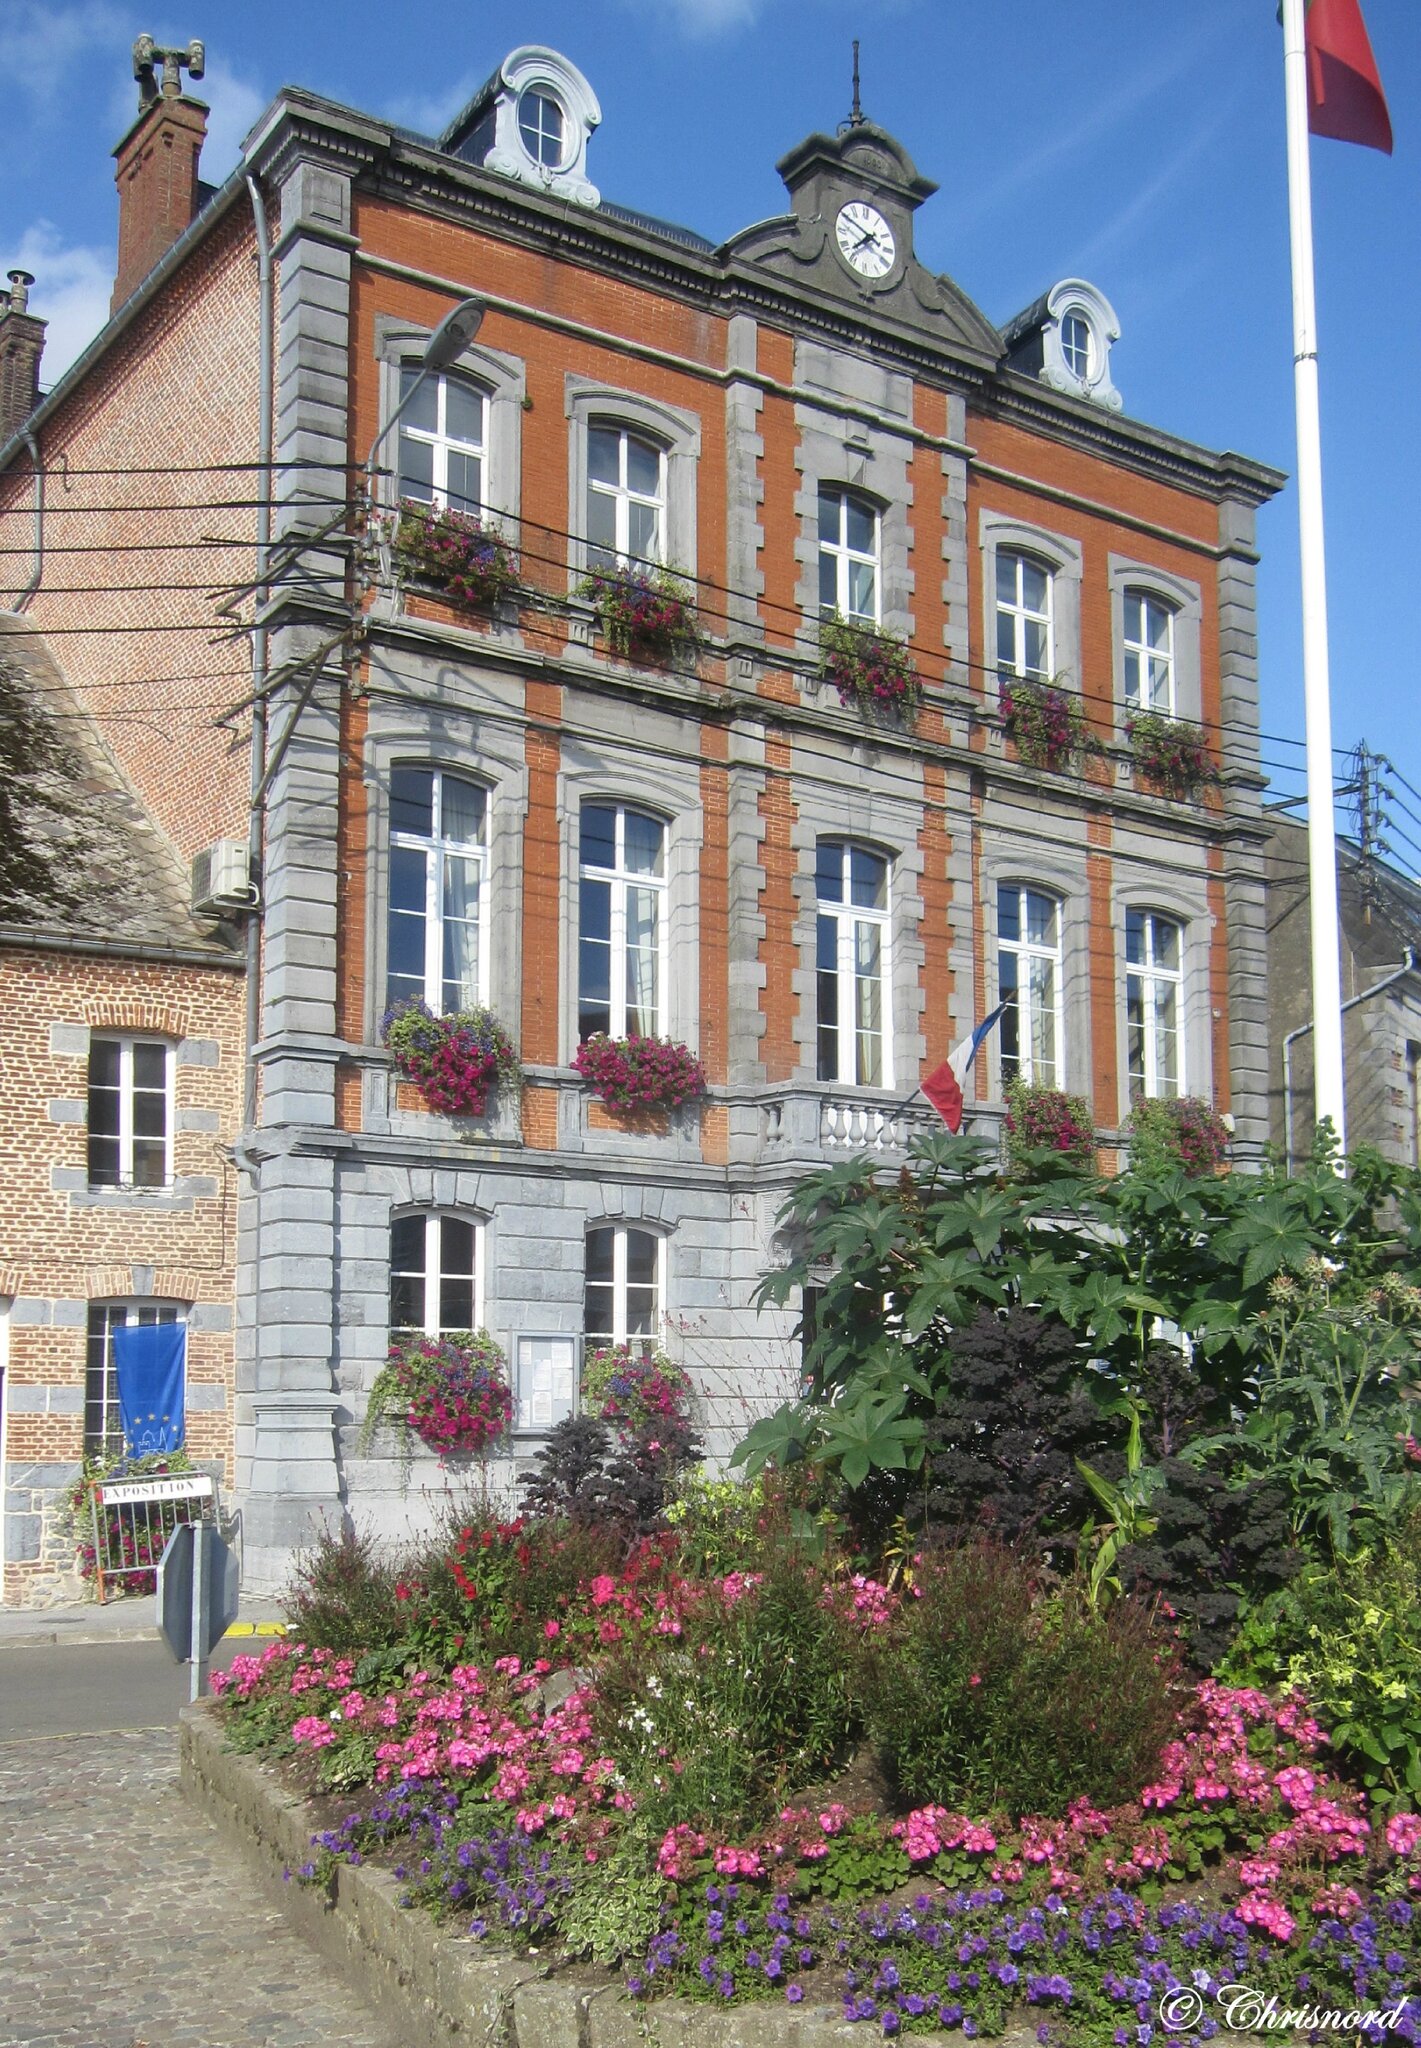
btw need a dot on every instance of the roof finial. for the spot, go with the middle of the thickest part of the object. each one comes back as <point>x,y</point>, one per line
<point>856,111</point>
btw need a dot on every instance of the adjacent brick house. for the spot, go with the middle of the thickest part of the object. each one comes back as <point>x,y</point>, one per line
<point>121,1051</point>
<point>493,804</point>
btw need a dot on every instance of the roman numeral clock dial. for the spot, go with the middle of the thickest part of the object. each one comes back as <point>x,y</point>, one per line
<point>865,239</point>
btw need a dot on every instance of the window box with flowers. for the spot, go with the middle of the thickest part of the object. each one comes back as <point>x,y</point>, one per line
<point>451,1391</point>
<point>456,1061</point>
<point>1177,1130</point>
<point>869,668</point>
<point>640,1078</point>
<point>1171,754</point>
<point>467,562</point>
<point>646,614</point>
<point>635,1390</point>
<point>1046,724</point>
<point>1041,1119</point>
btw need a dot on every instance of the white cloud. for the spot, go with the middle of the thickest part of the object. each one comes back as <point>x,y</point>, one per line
<point>71,291</point>
<point>236,103</point>
<point>41,45</point>
<point>700,18</point>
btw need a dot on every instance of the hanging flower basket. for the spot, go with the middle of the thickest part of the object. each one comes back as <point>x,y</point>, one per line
<point>1181,1131</point>
<point>1171,754</point>
<point>634,1390</point>
<point>469,563</point>
<point>457,1060</point>
<point>451,1392</point>
<point>1046,1119</point>
<point>870,669</point>
<point>646,614</point>
<point>640,1073</point>
<point>1046,724</point>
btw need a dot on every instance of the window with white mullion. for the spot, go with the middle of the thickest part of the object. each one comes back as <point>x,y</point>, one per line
<point>443,441</point>
<point>622,923</point>
<point>1149,653</point>
<point>624,1286</point>
<point>438,939</point>
<point>436,1277</point>
<point>849,557</point>
<point>1154,984</point>
<point>626,498</point>
<point>1029,982</point>
<point>103,1428</point>
<point>1025,622</point>
<point>852,966</point>
<point>130,1113</point>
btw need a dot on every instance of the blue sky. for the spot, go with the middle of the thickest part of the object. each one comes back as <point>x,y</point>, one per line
<point>1138,143</point>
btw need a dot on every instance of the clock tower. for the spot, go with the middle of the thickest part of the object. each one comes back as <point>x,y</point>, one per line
<point>850,233</point>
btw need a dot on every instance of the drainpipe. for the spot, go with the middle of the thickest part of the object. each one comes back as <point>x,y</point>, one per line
<point>1408,966</point>
<point>256,814</point>
<point>32,445</point>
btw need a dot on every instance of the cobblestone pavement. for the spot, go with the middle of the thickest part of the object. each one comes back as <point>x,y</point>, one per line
<point>125,1921</point>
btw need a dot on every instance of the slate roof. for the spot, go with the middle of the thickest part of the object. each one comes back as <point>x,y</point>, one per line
<point>132,887</point>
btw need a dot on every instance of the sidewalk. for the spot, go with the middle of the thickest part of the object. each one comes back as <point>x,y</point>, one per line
<point>124,1620</point>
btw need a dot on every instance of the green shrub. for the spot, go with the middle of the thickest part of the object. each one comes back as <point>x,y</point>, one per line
<point>343,1594</point>
<point>989,1691</point>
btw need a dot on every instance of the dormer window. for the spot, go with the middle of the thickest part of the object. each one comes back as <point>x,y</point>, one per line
<point>1065,338</point>
<point>541,125</point>
<point>1075,345</point>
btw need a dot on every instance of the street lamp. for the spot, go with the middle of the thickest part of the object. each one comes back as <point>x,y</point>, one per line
<point>447,343</point>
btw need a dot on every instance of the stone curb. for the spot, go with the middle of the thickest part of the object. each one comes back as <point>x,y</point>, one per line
<point>441,1990</point>
<point>87,1638</point>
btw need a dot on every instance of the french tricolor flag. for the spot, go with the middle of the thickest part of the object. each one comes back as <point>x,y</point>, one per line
<point>943,1086</point>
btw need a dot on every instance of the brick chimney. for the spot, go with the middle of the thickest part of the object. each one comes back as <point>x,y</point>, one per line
<point>21,345</point>
<point>157,163</point>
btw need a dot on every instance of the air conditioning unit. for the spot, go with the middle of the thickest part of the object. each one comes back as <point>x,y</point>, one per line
<point>221,879</point>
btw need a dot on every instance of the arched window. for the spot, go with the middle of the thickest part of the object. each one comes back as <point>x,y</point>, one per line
<point>626,497</point>
<point>435,1283</point>
<point>1029,983</point>
<point>621,935</point>
<point>625,1286</point>
<point>852,965</point>
<point>438,903</point>
<point>543,127</point>
<point>1076,346</point>
<point>443,441</point>
<point>850,544</point>
<point>1154,976</point>
<point>103,1429</point>
<point>1149,653</point>
<point>1025,623</point>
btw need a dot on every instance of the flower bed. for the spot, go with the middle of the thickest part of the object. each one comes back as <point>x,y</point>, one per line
<point>1174,756</point>
<point>457,1061</point>
<point>132,1546</point>
<point>469,563</point>
<point>647,614</point>
<point>1045,723</point>
<point>870,669</point>
<point>450,1392</point>
<point>640,1073</point>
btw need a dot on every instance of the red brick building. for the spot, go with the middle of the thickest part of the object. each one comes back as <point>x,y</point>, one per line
<point>492,804</point>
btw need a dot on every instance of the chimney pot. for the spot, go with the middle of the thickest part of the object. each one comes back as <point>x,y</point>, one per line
<point>20,282</point>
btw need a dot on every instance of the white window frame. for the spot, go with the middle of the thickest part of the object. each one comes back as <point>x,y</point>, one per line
<point>620,1232</point>
<point>1140,651</point>
<point>1025,950</point>
<point>846,917</point>
<point>437,848</point>
<point>126,1042</point>
<point>442,442</point>
<point>1149,975</point>
<point>135,1311</point>
<point>845,557</point>
<point>623,496</point>
<point>621,879</point>
<point>538,90</point>
<point>1020,613</point>
<point>433,1220</point>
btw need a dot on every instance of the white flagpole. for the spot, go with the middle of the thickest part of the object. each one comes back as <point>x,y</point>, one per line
<point>1322,827</point>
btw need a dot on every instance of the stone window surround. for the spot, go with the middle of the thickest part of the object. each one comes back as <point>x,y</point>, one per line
<point>1185,600</point>
<point>676,432</point>
<point>127,1190</point>
<point>1189,909</point>
<point>1063,557</point>
<point>458,741</point>
<point>670,792</point>
<point>501,378</point>
<point>132,1305</point>
<point>461,1214</point>
<point>1064,878</point>
<point>874,465</point>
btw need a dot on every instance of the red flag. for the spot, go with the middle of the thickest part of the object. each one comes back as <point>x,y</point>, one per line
<point>944,1092</point>
<point>1345,97</point>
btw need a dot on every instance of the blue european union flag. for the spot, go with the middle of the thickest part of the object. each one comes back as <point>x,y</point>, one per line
<point>149,1363</point>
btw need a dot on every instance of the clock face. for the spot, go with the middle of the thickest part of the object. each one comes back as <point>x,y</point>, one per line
<point>865,239</point>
